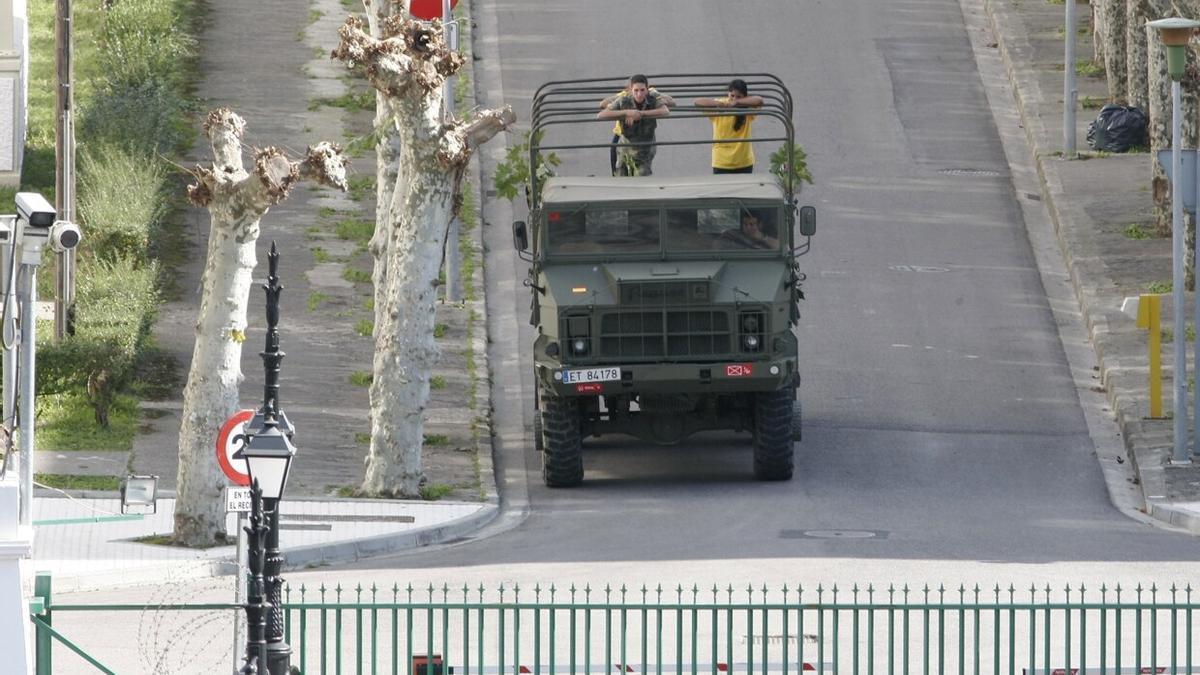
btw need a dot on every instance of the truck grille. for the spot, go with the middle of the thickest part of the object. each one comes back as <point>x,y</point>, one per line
<point>673,334</point>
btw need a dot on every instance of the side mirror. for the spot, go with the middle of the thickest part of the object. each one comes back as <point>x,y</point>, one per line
<point>808,221</point>
<point>521,236</point>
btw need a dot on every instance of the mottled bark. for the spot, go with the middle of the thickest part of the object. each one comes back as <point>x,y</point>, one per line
<point>408,64</point>
<point>236,200</point>
<point>1111,26</point>
<point>388,167</point>
<point>1137,13</point>
<point>1159,110</point>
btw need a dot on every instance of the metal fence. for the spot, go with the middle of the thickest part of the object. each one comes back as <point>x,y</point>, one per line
<point>681,630</point>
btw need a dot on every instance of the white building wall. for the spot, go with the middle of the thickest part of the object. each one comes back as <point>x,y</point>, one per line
<point>14,76</point>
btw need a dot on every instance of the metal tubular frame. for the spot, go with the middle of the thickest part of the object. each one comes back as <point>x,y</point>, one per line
<point>574,102</point>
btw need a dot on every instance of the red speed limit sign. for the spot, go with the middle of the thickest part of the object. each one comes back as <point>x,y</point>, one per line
<point>229,441</point>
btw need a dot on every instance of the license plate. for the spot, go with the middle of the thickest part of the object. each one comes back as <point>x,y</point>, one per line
<point>591,375</point>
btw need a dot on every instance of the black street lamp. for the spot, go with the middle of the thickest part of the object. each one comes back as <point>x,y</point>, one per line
<point>256,604</point>
<point>268,453</point>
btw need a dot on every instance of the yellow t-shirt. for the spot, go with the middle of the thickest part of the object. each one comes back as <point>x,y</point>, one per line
<point>731,155</point>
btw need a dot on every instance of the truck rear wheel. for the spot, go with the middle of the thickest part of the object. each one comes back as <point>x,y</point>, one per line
<point>537,431</point>
<point>562,451</point>
<point>773,435</point>
<point>797,420</point>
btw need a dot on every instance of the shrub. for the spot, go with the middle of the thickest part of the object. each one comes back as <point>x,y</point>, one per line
<point>115,306</point>
<point>122,202</point>
<point>143,41</point>
<point>141,116</point>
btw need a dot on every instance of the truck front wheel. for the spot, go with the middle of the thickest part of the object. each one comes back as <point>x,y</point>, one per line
<point>773,431</point>
<point>562,449</point>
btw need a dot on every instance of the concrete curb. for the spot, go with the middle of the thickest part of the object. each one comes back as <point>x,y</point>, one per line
<point>1009,31</point>
<point>357,549</point>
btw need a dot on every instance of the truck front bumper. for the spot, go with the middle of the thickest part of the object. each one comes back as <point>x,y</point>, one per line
<point>673,378</point>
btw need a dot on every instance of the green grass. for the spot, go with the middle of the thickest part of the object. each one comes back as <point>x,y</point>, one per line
<point>1136,231</point>
<point>66,422</point>
<point>326,212</point>
<point>320,255</point>
<point>439,330</point>
<point>1088,68</point>
<point>1089,103</point>
<point>1160,287</point>
<point>435,491</point>
<point>360,378</point>
<point>356,276</point>
<point>437,382</point>
<point>314,300</point>
<point>72,481</point>
<point>437,440</point>
<point>361,186</point>
<point>351,100</point>
<point>364,327</point>
<point>362,438</point>
<point>358,230</point>
<point>1189,334</point>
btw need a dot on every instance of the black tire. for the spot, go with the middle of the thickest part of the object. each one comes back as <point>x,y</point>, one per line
<point>773,435</point>
<point>538,443</point>
<point>797,420</point>
<point>562,454</point>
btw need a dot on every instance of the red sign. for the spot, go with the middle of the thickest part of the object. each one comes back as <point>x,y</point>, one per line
<point>231,438</point>
<point>739,370</point>
<point>589,388</point>
<point>428,10</point>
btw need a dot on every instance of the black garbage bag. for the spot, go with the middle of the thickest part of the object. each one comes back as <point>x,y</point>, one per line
<point>1118,128</point>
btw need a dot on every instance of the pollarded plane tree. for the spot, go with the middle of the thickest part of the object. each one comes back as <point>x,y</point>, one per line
<point>236,200</point>
<point>408,63</point>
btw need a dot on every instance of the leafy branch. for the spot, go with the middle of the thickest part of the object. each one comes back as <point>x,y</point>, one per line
<point>513,173</point>
<point>800,173</point>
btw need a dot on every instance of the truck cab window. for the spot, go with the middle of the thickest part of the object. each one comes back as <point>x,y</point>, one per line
<point>607,231</point>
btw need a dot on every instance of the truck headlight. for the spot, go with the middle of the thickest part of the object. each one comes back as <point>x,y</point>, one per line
<point>579,346</point>
<point>751,342</point>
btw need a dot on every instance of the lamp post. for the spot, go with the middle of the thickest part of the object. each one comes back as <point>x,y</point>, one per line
<point>268,453</point>
<point>1175,33</point>
<point>256,606</point>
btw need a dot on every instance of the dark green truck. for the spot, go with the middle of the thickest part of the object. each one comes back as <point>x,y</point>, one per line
<point>664,306</point>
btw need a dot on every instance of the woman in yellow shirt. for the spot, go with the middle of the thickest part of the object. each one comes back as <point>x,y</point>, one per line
<point>732,157</point>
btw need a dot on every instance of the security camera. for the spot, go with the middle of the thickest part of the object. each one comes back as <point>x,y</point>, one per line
<point>35,210</point>
<point>64,236</point>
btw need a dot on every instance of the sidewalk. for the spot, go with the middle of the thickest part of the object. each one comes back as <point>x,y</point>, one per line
<point>1091,203</point>
<point>85,543</point>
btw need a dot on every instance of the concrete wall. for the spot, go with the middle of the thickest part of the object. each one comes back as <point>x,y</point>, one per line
<point>14,70</point>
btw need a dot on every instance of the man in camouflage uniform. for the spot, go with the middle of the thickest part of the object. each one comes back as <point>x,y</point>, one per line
<point>638,110</point>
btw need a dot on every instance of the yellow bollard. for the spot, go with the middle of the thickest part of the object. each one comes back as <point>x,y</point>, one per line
<point>1148,317</point>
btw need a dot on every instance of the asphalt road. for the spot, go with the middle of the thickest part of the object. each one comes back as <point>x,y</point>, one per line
<point>944,422</point>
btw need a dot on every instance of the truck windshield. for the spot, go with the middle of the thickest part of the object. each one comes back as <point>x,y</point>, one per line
<point>604,231</point>
<point>722,229</point>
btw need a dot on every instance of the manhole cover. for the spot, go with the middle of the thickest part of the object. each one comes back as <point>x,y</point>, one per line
<point>969,172</point>
<point>832,534</point>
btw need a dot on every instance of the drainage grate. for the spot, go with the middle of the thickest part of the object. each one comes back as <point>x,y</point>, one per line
<point>969,172</point>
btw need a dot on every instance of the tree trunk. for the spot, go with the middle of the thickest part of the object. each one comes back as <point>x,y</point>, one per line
<point>1137,13</point>
<point>388,166</point>
<point>409,65</point>
<point>236,201</point>
<point>1112,15</point>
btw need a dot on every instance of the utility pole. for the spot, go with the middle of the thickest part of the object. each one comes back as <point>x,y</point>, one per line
<point>1070,91</point>
<point>64,172</point>
<point>452,263</point>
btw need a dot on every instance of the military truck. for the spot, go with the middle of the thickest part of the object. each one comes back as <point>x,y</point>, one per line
<point>664,306</point>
